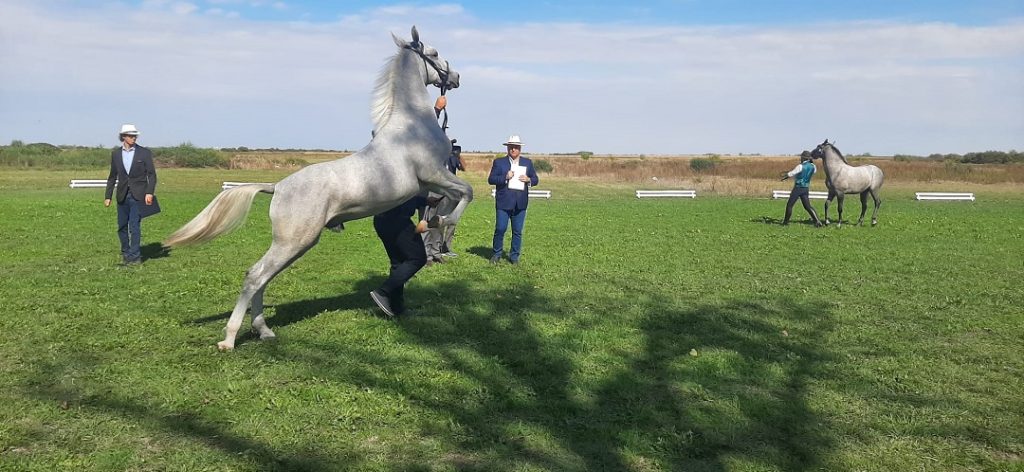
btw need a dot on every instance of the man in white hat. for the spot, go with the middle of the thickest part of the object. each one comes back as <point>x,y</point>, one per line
<point>131,167</point>
<point>512,176</point>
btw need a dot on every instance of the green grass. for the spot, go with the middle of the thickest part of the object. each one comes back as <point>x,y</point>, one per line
<point>636,335</point>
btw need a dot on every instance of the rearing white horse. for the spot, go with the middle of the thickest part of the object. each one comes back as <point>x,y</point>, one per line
<point>841,178</point>
<point>405,158</point>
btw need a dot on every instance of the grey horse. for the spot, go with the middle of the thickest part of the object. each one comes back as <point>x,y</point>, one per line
<point>842,178</point>
<point>405,158</point>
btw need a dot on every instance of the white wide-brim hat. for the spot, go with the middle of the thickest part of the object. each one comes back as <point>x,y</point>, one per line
<point>129,129</point>
<point>513,140</point>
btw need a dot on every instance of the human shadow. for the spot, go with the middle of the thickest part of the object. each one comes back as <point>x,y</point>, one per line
<point>769,220</point>
<point>155,251</point>
<point>481,251</point>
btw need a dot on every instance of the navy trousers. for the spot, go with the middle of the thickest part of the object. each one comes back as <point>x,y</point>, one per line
<point>129,228</point>
<point>802,194</point>
<point>406,252</point>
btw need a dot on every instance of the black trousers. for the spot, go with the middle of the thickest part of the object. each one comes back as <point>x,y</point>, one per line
<point>406,252</point>
<point>802,194</point>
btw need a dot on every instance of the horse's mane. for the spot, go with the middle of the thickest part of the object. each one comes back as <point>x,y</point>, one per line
<point>840,153</point>
<point>384,93</point>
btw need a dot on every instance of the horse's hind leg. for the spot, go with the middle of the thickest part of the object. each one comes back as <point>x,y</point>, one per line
<point>259,325</point>
<point>828,200</point>
<point>878,203</point>
<point>276,259</point>
<point>863,207</point>
<point>839,209</point>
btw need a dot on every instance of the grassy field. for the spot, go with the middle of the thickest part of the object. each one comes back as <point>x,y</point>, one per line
<point>636,335</point>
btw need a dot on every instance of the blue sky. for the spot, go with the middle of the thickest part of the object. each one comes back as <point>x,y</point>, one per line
<point>667,77</point>
<point>679,12</point>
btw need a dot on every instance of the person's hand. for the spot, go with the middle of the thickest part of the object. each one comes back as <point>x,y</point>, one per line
<point>440,103</point>
<point>106,202</point>
<point>509,175</point>
<point>149,199</point>
<point>524,178</point>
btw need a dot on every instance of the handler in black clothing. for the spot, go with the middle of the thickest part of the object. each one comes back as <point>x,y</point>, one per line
<point>405,249</point>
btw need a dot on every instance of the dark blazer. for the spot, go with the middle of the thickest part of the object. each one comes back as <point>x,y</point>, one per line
<point>140,181</point>
<point>504,197</point>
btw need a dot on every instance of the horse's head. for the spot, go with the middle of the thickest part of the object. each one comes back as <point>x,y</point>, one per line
<point>819,152</point>
<point>438,72</point>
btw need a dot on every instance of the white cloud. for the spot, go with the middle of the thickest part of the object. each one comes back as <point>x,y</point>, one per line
<point>880,87</point>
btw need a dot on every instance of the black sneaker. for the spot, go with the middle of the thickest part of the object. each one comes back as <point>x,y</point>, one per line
<point>383,302</point>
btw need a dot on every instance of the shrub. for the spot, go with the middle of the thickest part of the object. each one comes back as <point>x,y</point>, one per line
<point>700,164</point>
<point>43,155</point>
<point>542,165</point>
<point>586,155</point>
<point>187,155</point>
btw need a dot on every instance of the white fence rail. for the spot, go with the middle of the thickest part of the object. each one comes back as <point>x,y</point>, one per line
<point>666,193</point>
<point>944,196</point>
<point>533,193</point>
<point>88,183</point>
<point>227,185</point>
<point>810,194</point>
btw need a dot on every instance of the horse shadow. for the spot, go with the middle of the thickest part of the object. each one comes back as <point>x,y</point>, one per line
<point>695,411</point>
<point>284,314</point>
<point>155,251</point>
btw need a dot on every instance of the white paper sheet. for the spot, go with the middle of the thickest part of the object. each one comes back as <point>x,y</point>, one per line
<point>515,184</point>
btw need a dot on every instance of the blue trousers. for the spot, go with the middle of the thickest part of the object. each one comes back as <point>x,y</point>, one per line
<point>129,228</point>
<point>502,219</point>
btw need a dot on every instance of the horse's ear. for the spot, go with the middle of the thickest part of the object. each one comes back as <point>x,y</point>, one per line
<point>415,35</point>
<point>399,41</point>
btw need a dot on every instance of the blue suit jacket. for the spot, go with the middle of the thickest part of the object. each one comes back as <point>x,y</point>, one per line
<point>140,181</point>
<point>504,197</point>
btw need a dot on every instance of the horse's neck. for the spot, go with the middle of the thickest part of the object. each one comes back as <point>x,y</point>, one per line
<point>401,98</point>
<point>834,163</point>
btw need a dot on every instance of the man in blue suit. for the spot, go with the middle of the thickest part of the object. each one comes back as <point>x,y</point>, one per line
<point>512,176</point>
<point>132,170</point>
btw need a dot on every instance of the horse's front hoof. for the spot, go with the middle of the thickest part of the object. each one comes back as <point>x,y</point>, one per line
<point>225,346</point>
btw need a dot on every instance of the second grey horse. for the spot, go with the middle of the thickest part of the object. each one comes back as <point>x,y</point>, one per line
<point>842,178</point>
<point>405,158</point>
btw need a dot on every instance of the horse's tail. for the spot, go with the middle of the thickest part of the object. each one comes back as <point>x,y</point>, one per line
<point>223,214</point>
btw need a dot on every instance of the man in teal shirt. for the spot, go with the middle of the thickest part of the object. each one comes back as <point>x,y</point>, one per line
<point>801,187</point>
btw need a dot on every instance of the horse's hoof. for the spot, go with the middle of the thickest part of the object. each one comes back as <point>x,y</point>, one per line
<point>225,346</point>
<point>268,337</point>
<point>436,221</point>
